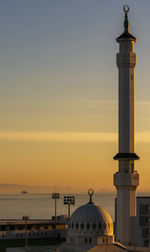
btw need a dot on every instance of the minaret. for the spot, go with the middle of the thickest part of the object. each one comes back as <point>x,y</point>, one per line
<point>126,179</point>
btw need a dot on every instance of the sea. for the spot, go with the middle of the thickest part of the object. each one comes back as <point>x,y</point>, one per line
<point>42,206</point>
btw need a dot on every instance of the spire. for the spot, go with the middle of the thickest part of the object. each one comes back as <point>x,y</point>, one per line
<point>126,22</point>
<point>126,35</point>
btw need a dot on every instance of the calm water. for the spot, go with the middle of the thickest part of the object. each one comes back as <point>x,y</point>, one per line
<point>42,206</point>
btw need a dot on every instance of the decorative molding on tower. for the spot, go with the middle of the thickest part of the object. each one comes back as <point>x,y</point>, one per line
<point>129,156</point>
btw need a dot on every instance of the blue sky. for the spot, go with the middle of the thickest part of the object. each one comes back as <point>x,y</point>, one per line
<point>51,45</point>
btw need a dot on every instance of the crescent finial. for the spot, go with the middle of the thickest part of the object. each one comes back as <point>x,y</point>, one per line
<point>90,193</point>
<point>126,8</point>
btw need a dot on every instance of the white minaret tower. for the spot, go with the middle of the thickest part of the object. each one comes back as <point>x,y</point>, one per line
<point>126,179</point>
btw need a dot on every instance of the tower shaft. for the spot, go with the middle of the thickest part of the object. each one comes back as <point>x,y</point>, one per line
<point>126,61</point>
<point>126,179</point>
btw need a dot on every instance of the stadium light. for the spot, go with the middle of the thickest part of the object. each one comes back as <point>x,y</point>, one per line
<point>69,200</point>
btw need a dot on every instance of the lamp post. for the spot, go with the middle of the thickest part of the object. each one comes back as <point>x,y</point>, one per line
<point>26,218</point>
<point>55,196</point>
<point>69,200</point>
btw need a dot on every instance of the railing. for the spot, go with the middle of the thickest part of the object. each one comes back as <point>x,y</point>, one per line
<point>42,249</point>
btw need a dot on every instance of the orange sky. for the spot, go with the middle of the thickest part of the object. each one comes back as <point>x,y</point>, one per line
<point>59,92</point>
<point>80,164</point>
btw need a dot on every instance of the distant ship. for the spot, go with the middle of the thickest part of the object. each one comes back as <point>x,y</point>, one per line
<point>24,192</point>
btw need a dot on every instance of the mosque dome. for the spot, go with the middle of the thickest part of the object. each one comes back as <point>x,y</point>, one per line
<point>90,220</point>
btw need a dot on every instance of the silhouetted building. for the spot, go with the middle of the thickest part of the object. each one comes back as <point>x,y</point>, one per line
<point>143,221</point>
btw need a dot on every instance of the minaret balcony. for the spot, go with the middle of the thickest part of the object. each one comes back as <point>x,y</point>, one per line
<point>126,59</point>
<point>126,179</point>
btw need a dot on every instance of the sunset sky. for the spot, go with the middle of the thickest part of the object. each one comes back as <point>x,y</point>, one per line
<point>59,91</point>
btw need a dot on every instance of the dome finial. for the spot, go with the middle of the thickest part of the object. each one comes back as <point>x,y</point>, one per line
<point>126,22</point>
<point>90,193</point>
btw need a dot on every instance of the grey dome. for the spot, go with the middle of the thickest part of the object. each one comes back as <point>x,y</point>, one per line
<point>90,219</point>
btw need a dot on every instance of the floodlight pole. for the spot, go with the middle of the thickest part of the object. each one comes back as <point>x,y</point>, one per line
<point>55,211</point>
<point>55,196</point>
<point>25,218</point>
<point>68,211</point>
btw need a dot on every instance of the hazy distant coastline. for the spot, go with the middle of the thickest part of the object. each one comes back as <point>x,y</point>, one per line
<point>15,188</point>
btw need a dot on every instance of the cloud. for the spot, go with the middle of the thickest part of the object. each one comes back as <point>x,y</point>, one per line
<point>142,137</point>
<point>68,136</point>
<point>59,136</point>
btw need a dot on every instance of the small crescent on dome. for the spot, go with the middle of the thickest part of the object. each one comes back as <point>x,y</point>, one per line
<point>90,192</point>
<point>126,8</point>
